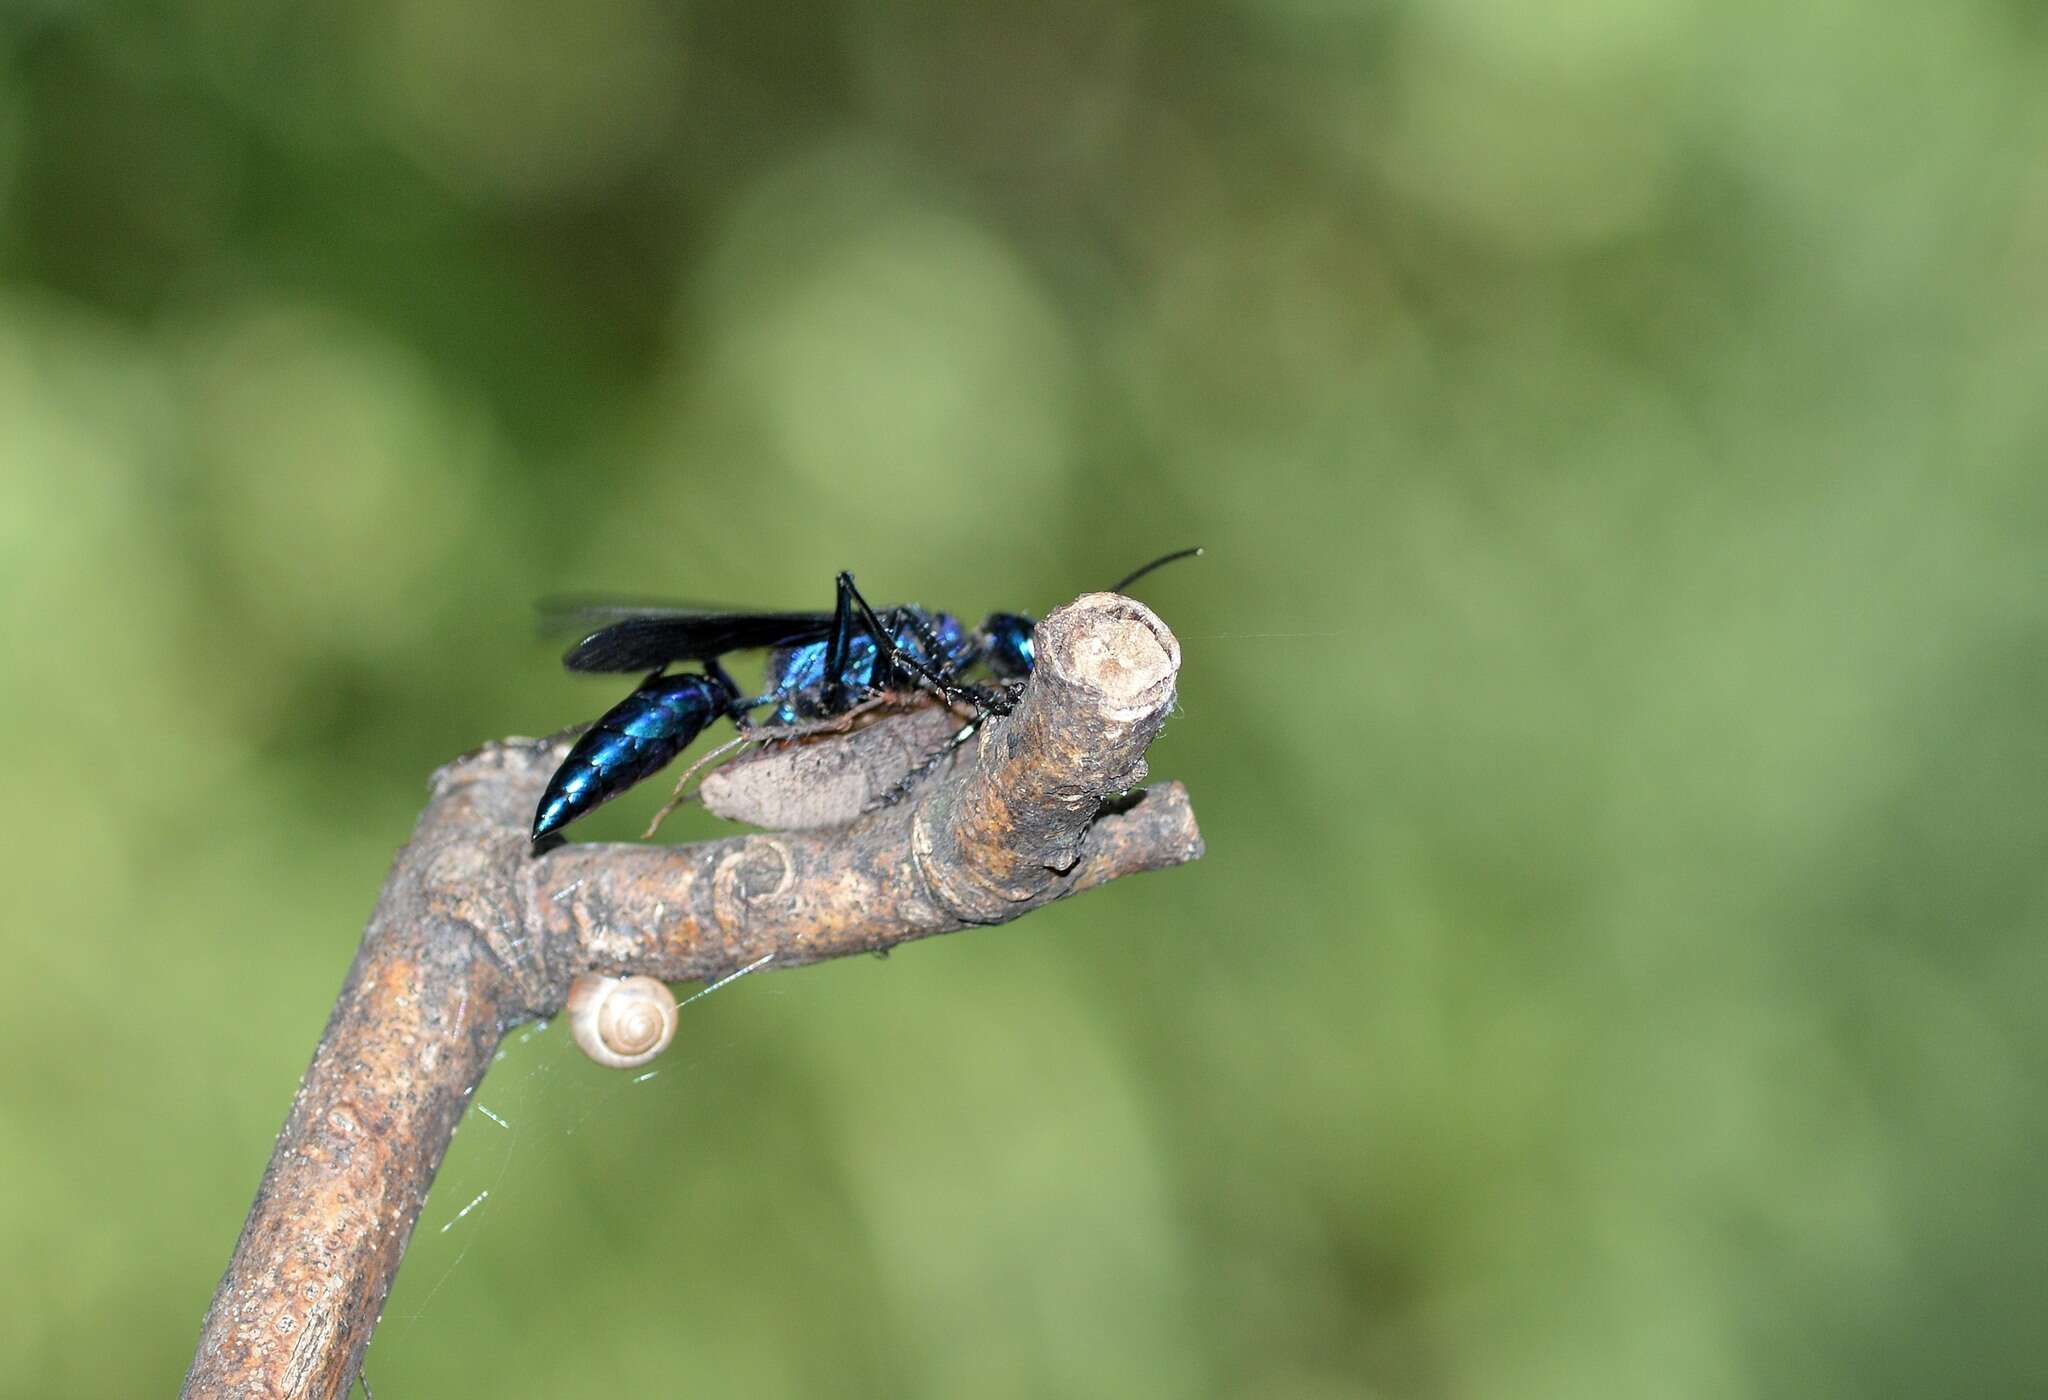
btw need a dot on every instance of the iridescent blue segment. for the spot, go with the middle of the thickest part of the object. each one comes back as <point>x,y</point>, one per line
<point>952,637</point>
<point>632,739</point>
<point>796,674</point>
<point>1011,654</point>
<point>795,670</point>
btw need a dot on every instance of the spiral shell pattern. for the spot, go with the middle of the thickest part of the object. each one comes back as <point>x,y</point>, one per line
<point>621,1022</point>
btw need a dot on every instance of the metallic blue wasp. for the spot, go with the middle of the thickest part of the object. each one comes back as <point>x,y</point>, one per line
<point>821,666</point>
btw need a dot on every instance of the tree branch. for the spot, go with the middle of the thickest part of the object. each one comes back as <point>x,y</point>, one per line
<point>475,934</point>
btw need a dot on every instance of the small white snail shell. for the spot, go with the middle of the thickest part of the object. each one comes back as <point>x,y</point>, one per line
<point>622,1022</point>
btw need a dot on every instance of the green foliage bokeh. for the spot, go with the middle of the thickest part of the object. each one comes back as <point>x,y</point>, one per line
<point>1614,695</point>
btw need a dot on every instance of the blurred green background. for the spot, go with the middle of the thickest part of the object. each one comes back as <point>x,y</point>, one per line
<point>1614,695</point>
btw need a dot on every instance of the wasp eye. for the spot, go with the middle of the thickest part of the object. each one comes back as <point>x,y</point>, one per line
<point>1010,653</point>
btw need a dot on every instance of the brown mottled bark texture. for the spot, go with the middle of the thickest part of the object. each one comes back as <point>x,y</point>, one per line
<point>476,933</point>
<point>832,777</point>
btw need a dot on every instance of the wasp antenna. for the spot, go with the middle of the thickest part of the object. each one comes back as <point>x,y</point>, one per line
<point>1128,579</point>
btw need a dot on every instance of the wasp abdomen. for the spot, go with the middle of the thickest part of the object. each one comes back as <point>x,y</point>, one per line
<point>629,741</point>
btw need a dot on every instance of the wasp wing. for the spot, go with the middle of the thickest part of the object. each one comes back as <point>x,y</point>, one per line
<point>644,640</point>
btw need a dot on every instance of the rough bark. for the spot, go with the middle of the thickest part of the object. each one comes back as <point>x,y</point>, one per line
<point>476,932</point>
